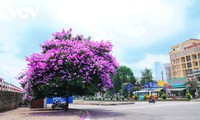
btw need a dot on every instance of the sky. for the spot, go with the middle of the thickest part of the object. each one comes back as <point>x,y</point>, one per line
<point>141,31</point>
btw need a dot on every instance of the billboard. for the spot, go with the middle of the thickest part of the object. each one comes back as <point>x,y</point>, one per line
<point>150,85</point>
<point>59,99</point>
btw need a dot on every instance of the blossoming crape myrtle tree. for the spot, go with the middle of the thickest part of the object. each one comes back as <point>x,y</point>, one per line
<point>68,65</point>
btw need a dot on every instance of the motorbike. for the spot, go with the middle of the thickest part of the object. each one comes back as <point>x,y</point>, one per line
<point>57,104</point>
<point>152,100</point>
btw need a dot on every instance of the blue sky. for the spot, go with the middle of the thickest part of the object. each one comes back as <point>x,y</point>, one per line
<point>142,31</point>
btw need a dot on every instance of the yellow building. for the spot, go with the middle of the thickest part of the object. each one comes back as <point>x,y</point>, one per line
<point>185,58</point>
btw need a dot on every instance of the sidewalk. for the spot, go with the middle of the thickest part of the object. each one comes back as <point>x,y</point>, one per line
<point>105,103</point>
<point>195,100</point>
<point>41,114</point>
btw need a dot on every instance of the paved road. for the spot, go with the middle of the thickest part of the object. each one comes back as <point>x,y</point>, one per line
<point>143,111</point>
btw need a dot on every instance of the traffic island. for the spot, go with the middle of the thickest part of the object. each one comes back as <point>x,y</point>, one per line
<point>105,103</point>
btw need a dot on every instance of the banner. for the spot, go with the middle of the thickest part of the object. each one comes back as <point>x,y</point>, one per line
<point>150,85</point>
<point>161,83</point>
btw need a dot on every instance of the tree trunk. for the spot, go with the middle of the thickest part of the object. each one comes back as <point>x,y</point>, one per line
<point>67,103</point>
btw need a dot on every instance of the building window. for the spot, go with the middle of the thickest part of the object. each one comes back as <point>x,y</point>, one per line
<point>198,48</point>
<point>172,56</point>
<point>183,53</point>
<point>189,65</point>
<point>187,51</point>
<point>188,58</point>
<point>184,65</point>
<point>188,72</point>
<point>177,61</point>
<point>177,55</point>
<point>193,50</point>
<point>182,59</point>
<point>198,56</point>
<point>173,62</point>
<point>194,57</point>
<point>196,63</point>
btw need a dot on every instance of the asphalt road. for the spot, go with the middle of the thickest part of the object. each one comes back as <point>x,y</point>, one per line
<point>143,111</point>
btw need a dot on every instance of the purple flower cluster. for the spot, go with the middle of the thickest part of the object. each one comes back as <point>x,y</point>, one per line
<point>70,58</point>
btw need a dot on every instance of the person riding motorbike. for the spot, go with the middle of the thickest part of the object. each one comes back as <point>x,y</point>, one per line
<point>152,99</point>
<point>55,104</point>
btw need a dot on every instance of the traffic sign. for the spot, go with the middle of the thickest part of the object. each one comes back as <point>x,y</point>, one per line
<point>128,87</point>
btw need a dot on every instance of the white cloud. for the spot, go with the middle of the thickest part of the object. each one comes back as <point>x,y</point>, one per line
<point>149,60</point>
<point>139,21</point>
<point>128,24</point>
<point>4,12</point>
<point>11,66</point>
<point>8,43</point>
<point>198,36</point>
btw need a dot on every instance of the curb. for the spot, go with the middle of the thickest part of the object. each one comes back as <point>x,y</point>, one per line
<point>105,104</point>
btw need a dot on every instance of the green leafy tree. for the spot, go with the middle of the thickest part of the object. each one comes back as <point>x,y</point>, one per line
<point>123,90</point>
<point>117,82</point>
<point>191,86</point>
<point>146,76</point>
<point>124,75</point>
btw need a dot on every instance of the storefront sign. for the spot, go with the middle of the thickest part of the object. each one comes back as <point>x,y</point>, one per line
<point>177,83</point>
<point>161,83</point>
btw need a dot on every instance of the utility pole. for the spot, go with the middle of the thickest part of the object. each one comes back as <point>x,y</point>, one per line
<point>162,75</point>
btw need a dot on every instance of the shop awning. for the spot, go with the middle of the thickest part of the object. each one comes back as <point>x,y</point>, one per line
<point>158,89</point>
<point>177,89</point>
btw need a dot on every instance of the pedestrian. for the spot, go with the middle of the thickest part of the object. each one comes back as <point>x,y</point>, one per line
<point>196,94</point>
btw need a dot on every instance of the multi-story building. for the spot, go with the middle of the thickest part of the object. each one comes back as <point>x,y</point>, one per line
<point>162,71</point>
<point>185,58</point>
<point>168,71</point>
<point>158,71</point>
<point>5,86</point>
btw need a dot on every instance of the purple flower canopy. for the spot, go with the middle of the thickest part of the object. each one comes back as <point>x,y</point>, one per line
<point>70,58</point>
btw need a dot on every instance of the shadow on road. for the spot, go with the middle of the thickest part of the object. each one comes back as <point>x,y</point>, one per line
<point>104,114</point>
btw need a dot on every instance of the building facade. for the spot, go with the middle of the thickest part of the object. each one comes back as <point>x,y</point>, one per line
<point>185,58</point>
<point>168,71</point>
<point>158,71</point>
<point>5,86</point>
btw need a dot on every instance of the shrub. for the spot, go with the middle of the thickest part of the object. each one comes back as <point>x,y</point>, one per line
<point>122,97</point>
<point>188,96</point>
<point>164,96</point>
<point>117,98</point>
<point>111,98</point>
<point>146,97</point>
<point>92,98</point>
<point>136,97</point>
